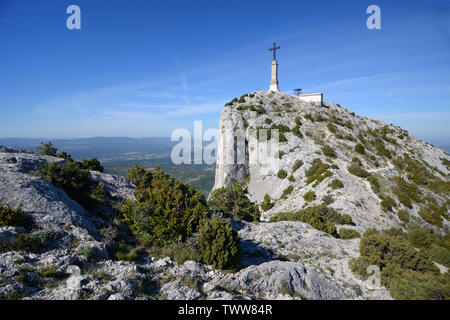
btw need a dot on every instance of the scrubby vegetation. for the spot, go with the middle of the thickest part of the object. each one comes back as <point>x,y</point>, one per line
<point>267,204</point>
<point>76,182</point>
<point>287,191</point>
<point>336,184</point>
<point>407,272</point>
<point>166,209</point>
<point>360,148</point>
<point>233,202</point>
<point>317,172</point>
<point>309,196</point>
<point>346,233</point>
<point>73,177</point>
<point>320,217</point>
<point>12,217</point>
<point>282,174</point>
<point>219,244</point>
<point>297,165</point>
<point>32,242</point>
<point>173,218</point>
<point>328,151</point>
<point>358,171</point>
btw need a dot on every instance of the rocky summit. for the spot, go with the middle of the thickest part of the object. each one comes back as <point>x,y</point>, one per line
<point>359,165</point>
<point>357,172</point>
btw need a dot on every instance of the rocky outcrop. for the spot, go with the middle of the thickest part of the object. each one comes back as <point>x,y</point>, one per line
<point>319,127</point>
<point>66,272</point>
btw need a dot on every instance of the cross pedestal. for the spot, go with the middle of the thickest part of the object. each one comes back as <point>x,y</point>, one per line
<point>274,79</point>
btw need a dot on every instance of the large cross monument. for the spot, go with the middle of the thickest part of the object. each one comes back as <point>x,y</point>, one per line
<point>274,79</point>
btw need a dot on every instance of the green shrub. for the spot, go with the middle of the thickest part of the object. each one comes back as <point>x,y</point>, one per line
<point>331,127</point>
<point>296,131</point>
<point>317,172</point>
<point>179,251</point>
<point>312,216</point>
<point>384,250</point>
<point>242,98</point>
<point>360,148</point>
<point>32,242</point>
<point>387,203</point>
<point>345,233</point>
<point>405,192</point>
<point>336,184</point>
<point>287,191</point>
<point>12,217</point>
<point>47,272</point>
<point>412,285</point>
<point>328,151</point>
<point>291,178</point>
<point>358,171</point>
<point>356,161</point>
<point>219,244</point>
<point>282,174</point>
<point>374,184</point>
<point>267,203</point>
<point>403,215</point>
<point>124,252</point>
<point>75,181</point>
<point>381,148</point>
<point>46,149</point>
<point>268,121</point>
<point>233,202</point>
<point>166,209</point>
<point>309,196</point>
<point>439,254</point>
<point>92,164</point>
<point>327,199</point>
<point>398,260</point>
<point>298,163</point>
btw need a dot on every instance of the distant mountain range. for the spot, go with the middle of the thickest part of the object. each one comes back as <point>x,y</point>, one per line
<point>104,148</point>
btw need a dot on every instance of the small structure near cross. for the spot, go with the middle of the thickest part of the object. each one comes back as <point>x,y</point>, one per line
<point>297,91</point>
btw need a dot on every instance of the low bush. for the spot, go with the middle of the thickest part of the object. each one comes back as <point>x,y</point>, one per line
<point>287,191</point>
<point>282,174</point>
<point>310,216</point>
<point>220,245</point>
<point>75,181</point>
<point>166,209</point>
<point>267,204</point>
<point>407,272</point>
<point>336,184</point>
<point>309,196</point>
<point>32,242</point>
<point>406,193</point>
<point>328,151</point>
<point>12,217</point>
<point>297,165</point>
<point>317,172</point>
<point>233,202</point>
<point>358,171</point>
<point>403,215</point>
<point>345,233</point>
<point>360,148</point>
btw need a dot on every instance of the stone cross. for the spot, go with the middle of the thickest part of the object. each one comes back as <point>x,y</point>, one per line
<point>274,49</point>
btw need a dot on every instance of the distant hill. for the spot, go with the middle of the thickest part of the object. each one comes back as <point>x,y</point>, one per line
<point>104,148</point>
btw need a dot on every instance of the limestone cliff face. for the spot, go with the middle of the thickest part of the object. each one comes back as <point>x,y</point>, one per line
<point>311,131</point>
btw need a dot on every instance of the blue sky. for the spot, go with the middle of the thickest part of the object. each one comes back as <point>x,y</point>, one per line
<point>144,68</point>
